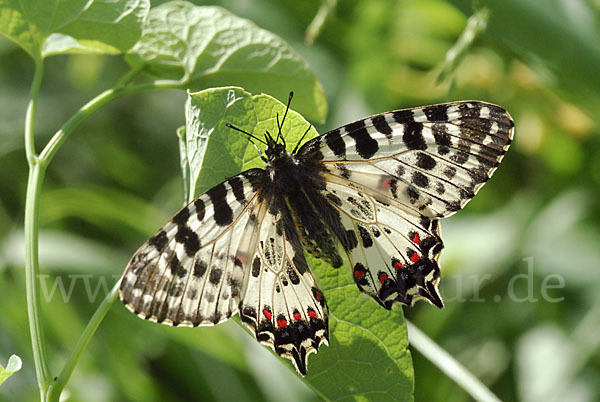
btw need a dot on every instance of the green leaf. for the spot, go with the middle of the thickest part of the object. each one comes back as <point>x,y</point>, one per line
<point>367,357</point>
<point>216,152</point>
<point>209,47</point>
<point>14,365</point>
<point>183,161</point>
<point>48,27</point>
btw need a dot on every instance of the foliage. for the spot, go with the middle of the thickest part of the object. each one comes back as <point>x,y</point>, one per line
<point>14,365</point>
<point>116,180</point>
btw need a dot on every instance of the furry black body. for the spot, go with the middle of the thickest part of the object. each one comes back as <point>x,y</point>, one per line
<point>293,184</point>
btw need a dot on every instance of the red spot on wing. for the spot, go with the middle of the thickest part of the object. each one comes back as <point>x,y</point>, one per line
<point>312,313</point>
<point>414,257</point>
<point>416,239</point>
<point>297,316</point>
<point>318,296</point>
<point>383,277</point>
<point>397,265</point>
<point>358,274</point>
<point>267,314</point>
<point>385,184</point>
<point>281,323</point>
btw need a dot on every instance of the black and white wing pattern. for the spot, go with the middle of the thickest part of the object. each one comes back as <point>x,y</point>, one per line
<point>191,271</point>
<point>392,175</point>
<point>281,302</point>
<point>374,188</point>
<point>231,250</point>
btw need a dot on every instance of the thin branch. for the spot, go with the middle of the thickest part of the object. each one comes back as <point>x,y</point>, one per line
<point>93,105</point>
<point>31,110</point>
<point>316,25</point>
<point>449,365</point>
<point>36,174</point>
<point>59,383</point>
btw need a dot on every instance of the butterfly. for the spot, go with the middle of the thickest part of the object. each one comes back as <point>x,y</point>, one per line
<point>371,192</point>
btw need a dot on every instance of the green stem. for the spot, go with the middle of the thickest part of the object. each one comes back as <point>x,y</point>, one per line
<point>476,24</point>
<point>59,383</point>
<point>449,365</point>
<point>38,344</point>
<point>36,174</point>
<point>89,108</point>
<point>30,114</point>
<point>316,25</point>
<point>48,390</point>
<point>129,76</point>
<point>37,167</point>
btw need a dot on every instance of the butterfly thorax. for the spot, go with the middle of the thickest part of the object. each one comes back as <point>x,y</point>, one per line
<point>291,185</point>
<point>278,158</point>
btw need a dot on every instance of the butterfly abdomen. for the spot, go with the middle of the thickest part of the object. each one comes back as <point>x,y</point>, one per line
<point>315,236</point>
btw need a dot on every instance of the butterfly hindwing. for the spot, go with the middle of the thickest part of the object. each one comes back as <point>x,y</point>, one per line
<point>395,256</point>
<point>282,305</point>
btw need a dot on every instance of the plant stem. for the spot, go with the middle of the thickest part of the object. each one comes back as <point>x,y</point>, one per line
<point>316,25</point>
<point>93,105</point>
<point>38,344</point>
<point>36,174</point>
<point>448,364</point>
<point>59,383</point>
<point>31,110</point>
<point>37,165</point>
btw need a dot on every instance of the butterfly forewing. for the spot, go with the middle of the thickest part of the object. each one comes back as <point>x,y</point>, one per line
<point>431,159</point>
<point>188,273</point>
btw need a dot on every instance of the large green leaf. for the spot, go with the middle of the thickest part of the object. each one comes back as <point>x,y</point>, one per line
<point>367,358</point>
<point>47,27</point>
<point>210,47</point>
<point>214,151</point>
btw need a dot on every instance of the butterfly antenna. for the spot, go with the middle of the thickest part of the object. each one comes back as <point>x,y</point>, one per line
<point>279,126</point>
<point>245,132</point>
<point>250,137</point>
<point>288,105</point>
<point>303,135</point>
<point>269,137</point>
<point>279,135</point>
<point>258,150</point>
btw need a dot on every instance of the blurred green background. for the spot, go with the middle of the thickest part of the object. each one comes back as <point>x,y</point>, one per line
<point>521,269</point>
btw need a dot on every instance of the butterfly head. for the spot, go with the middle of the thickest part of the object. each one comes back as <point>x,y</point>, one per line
<point>274,148</point>
<point>275,145</point>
